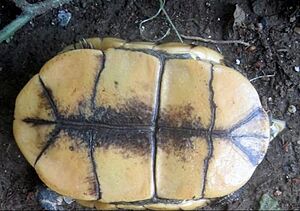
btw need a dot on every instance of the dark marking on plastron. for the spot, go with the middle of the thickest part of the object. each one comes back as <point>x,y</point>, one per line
<point>116,83</point>
<point>97,79</point>
<point>209,137</point>
<point>177,140</point>
<point>44,103</point>
<point>49,96</point>
<point>131,112</point>
<point>129,143</point>
<point>80,114</point>
<point>179,143</point>
<point>180,117</point>
<point>80,139</point>
<point>51,139</point>
<point>97,189</point>
<point>89,125</point>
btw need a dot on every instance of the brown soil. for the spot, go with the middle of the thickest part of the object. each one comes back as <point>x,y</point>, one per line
<point>269,26</point>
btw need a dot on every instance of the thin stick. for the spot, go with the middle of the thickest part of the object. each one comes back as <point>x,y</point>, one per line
<point>142,28</point>
<point>262,76</point>
<point>161,8</point>
<point>29,11</point>
<point>214,41</point>
<point>14,26</point>
<point>171,22</point>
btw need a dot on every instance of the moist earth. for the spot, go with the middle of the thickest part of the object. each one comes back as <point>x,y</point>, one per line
<point>271,63</point>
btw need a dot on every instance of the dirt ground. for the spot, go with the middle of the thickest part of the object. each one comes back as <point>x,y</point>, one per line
<point>268,25</point>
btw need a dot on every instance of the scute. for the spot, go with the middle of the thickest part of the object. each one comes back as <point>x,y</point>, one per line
<point>180,163</point>
<point>35,97</point>
<point>228,170</point>
<point>66,167</point>
<point>126,89</point>
<point>185,94</point>
<point>31,139</point>
<point>135,125</point>
<point>125,173</point>
<point>234,96</point>
<point>71,78</point>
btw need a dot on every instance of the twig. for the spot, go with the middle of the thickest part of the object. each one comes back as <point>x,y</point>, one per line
<point>262,76</point>
<point>161,8</point>
<point>214,41</point>
<point>170,21</point>
<point>29,11</point>
<point>14,26</point>
<point>142,28</point>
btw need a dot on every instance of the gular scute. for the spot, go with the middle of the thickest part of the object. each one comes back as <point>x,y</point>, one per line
<point>35,96</point>
<point>140,127</point>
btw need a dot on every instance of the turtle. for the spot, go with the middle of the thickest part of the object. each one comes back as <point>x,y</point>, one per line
<point>136,125</point>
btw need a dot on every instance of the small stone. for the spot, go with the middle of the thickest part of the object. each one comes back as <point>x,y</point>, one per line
<point>49,199</point>
<point>8,39</point>
<point>259,26</point>
<point>259,64</point>
<point>277,193</point>
<point>68,200</point>
<point>251,48</point>
<point>292,109</point>
<point>297,69</point>
<point>296,180</point>
<point>298,142</point>
<point>59,200</point>
<point>293,19</point>
<point>207,31</point>
<point>64,17</point>
<point>238,62</point>
<point>286,149</point>
<point>270,99</point>
<point>239,16</point>
<point>207,4</point>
